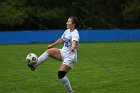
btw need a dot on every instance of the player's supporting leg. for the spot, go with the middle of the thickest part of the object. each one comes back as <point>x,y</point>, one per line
<point>64,79</point>
<point>67,84</point>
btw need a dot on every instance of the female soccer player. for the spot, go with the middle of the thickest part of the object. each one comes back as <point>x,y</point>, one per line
<point>68,54</point>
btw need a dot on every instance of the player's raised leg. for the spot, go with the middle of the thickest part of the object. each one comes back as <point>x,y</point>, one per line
<point>53,52</point>
<point>42,58</point>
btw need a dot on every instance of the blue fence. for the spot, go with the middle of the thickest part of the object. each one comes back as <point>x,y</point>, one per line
<point>85,36</point>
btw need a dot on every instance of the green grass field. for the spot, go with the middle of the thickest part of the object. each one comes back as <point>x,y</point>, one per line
<point>112,67</point>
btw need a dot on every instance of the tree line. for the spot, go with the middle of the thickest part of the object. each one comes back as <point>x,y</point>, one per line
<point>53,14</point>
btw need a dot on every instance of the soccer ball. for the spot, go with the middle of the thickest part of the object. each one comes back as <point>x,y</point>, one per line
<point>31,59</point>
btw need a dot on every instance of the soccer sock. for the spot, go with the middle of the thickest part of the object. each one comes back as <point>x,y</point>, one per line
<point>42,58</point>
<point>66,83</point>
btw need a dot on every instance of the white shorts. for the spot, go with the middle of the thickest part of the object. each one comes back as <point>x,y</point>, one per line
<point>68,58</point>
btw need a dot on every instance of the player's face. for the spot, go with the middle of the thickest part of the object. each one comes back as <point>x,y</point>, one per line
<point>70,24</point>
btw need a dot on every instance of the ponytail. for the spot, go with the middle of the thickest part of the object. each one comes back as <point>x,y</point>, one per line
<point>81,24</point>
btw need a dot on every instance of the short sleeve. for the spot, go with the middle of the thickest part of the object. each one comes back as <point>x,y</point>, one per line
<point>75,37</point>
<point>63,35</point>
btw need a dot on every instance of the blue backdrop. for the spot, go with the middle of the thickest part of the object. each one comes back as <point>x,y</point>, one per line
<point>43,36</point>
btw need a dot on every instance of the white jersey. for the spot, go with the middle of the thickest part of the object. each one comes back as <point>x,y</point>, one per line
<point>68,37</point>
<point>69,57</point>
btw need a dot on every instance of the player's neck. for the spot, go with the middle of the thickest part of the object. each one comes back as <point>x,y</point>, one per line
<point>72,29</point>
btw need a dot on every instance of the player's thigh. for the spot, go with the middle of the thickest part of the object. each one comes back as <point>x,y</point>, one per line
<point>65,68</point>
<point>55,53</point>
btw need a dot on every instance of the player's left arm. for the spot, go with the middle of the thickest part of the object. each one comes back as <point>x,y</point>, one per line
<point>75,39</point>
<point>73,47</point>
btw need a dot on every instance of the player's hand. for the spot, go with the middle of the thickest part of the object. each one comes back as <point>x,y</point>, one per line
<point>50,46</point>
<point>73,50</point>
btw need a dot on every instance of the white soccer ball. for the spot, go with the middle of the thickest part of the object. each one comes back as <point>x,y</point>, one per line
<point>31,59</point>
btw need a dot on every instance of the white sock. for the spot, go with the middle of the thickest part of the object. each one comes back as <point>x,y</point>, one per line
<point>42,58</point>
<point>66,83</point>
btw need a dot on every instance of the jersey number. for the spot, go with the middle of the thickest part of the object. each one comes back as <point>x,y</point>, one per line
<point>66,44</point>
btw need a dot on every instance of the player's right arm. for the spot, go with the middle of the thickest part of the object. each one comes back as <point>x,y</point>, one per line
<point>59,41</point>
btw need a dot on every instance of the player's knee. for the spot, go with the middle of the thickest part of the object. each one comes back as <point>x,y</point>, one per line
<point>49,51</point>
<point>61,74</point>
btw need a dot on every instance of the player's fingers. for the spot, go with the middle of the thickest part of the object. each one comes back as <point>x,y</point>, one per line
<point>73,50</point>
<point>50,46</point>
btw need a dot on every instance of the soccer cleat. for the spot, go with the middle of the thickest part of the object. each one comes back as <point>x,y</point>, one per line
<point>71,92</point>
<point>32,67</point>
